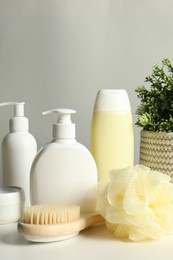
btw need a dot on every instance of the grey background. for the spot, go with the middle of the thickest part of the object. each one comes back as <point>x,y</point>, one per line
<point>59,53</point>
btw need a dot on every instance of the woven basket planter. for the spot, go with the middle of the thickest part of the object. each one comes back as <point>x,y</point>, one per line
<point>156,151</point>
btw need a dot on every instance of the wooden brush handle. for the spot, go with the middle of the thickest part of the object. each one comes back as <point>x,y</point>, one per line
<point>83,222</point>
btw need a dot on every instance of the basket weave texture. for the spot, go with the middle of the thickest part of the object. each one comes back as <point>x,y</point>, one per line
<point>156,151</point>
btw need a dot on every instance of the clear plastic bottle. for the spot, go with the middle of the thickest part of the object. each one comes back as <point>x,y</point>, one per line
<point>64,170</point>
<point>112,138</point>
<point>19,148</point>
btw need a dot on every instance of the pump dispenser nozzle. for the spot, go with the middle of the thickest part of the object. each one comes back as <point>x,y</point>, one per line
<point>64,128</point>
<point>19,122</point>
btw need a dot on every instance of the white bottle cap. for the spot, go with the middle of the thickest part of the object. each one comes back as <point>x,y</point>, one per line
<point>116,100</point>
<point>19,122</point>
<point>64,128</point>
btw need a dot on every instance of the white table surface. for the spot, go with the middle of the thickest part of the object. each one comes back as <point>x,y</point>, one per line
<point>92,243</point>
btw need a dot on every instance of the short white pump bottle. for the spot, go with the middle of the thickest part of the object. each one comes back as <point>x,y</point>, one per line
<point>19,148</point>
<point>64,170</point>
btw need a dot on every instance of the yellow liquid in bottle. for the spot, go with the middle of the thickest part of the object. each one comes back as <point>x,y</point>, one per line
<point>112,141</point>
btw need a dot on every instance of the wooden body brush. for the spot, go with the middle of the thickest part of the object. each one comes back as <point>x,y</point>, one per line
<point>48,223</point>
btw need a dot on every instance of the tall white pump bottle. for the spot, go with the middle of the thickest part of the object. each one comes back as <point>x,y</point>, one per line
<point>19,148</point>
<point>64,170</point>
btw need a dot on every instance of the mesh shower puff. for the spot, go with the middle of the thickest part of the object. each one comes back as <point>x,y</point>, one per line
<point>137,203</point>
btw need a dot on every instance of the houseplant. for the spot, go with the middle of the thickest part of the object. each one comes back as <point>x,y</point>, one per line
<point>155,116</point>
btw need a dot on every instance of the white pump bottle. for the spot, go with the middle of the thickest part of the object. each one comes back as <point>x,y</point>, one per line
<point>19,148</point>
<point>64,171</point>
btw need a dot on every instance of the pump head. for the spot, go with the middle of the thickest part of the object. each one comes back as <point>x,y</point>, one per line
<point>64,128</point>
<point>18,122</point>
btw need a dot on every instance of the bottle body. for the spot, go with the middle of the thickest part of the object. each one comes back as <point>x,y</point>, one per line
<point>64,173</point>
<point>112,138</point>
<point>18,151</point>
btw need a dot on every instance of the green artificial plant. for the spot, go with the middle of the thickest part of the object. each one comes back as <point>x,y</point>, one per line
<point>155,112</point>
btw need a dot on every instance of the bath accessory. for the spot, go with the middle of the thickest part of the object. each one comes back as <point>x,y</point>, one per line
<point>11,204</point>
<point>48,223</point>
<point>64,171</point>
<point>112,138</point>
<point>18,150</point>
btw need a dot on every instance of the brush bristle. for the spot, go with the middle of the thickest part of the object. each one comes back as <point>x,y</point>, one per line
<point>51,214</point>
